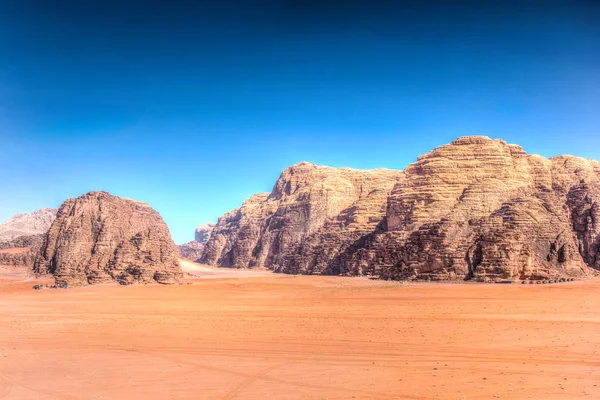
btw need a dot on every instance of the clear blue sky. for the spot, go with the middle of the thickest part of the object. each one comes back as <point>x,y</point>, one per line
<point>193,107</point>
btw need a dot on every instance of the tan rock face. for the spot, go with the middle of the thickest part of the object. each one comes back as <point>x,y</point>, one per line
<point>480,208</point>
<point>476,208</point>
<point>307,201</point>
<point>98,237</point>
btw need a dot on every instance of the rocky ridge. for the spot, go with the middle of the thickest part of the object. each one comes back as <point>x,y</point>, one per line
<point>333,206</point>
<point>98,237</point>
<point>476,208</point>
<point>33,223</point>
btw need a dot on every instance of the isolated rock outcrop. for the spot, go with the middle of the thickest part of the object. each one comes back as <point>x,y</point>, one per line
<point>476,208</point>
<point>34,223</point>
<point>99,237</point>
<point>483,209</point>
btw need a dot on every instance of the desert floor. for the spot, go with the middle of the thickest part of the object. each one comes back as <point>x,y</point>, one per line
<point>284,337</point>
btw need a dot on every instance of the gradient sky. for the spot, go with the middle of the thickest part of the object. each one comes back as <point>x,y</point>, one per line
<point>193,107</point>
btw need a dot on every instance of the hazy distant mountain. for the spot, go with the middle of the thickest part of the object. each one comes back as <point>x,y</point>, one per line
<point>193,250</point>
<point>203,232</point>
<point>27,224</point>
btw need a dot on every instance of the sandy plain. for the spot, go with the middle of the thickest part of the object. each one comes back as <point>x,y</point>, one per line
<point>269,336</point>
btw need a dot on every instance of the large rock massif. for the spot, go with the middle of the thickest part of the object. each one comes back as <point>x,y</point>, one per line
<point>312,214</point>
<point>22,251</point>
<point>476,208</point>
<point>98,237</point>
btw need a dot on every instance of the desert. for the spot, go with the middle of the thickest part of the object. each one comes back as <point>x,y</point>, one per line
<point>471,274</point>
<point>299,200</point>
<point>300,337</point>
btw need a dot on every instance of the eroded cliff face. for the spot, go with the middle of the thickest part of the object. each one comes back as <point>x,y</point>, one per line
<point>306,201</point>
<point>476,208</point>
<point>99,237</point>
<point>480,208</point>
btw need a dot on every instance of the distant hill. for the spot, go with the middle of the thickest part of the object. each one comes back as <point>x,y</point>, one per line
<point>27,224</point>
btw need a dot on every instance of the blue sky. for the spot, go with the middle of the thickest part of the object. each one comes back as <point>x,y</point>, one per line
<point>193,107</point>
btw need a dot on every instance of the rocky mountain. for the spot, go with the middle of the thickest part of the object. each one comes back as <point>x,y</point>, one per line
<point>193,250</point>
<point>476,208</point>
<point>34,223</point>
<point>99,237</point>
<point>319,210</point>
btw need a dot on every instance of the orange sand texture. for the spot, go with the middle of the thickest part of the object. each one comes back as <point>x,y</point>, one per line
<point>306,337</point>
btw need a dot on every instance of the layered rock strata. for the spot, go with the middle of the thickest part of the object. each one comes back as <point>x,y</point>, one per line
<point>312,209</point>
<point>99,237</point>
<point>476,208</point>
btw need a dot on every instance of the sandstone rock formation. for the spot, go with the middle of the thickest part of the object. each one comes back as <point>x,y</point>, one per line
<point>476,208</point>
<point>333,205</point>
<point>99,237</point>
<point>22,251</point>
<point>193,250</point>
<point>27,224</point>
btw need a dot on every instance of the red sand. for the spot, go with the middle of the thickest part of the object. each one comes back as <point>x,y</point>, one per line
<point>284,337</point>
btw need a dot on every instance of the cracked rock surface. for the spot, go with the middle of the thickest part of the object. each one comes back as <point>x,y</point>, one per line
<point>98,237</point>
<point>476,208</point>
